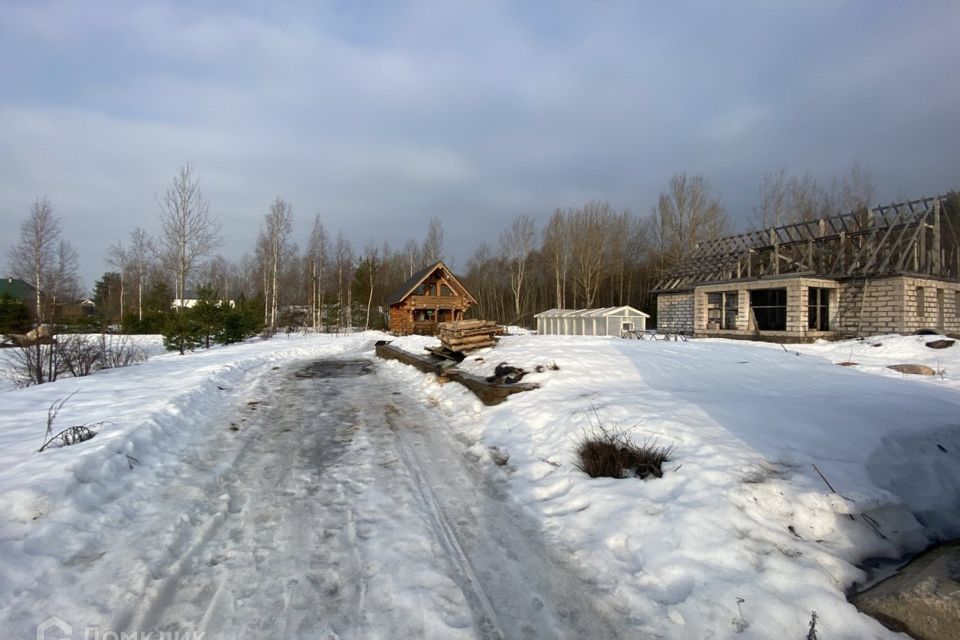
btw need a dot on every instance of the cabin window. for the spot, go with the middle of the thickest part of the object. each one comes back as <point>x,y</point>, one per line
<point>818,309</point>
<point>769,307</point>
<point>445,290</point>
<point>920,302</point>
<point>626,326</point>
<point>722,310</point>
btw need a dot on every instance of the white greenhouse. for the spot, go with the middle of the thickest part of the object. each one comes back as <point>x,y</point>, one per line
<point>611,321</point>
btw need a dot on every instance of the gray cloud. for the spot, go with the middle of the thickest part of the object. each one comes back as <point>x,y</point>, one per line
<point>382,116</point>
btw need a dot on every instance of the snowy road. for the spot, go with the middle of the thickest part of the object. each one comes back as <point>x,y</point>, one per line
<point>329,505</point>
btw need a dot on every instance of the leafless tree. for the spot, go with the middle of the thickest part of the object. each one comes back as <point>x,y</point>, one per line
<point>190,231</point>
<point>774,200</point>
<point>484,280</point>
<point>688,214</point>
<point>141,253</point>
<point>34,255</point>
<point>556,249</point>
<point>343,263</point>
<point>806,199</point>
<point>616,245</point>
<point>371,259</point>
<point>221,275</point>
<point>516,242</point>
<point>118,256</point>
<point>64,284</point>
<point>589,230</point>
<point>432,250</point>
<point>412,258</point>
<point>277,225</point>
<point>318,257</point>
<point>853,192</point>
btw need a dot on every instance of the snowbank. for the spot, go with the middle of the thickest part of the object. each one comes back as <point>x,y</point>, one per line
<point>741,512</point>
<point>741,537</point>
<point>145,414</point>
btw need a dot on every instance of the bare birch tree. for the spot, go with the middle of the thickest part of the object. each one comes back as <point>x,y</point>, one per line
<point>588,232</point>
<point>616,245</point>
<point>371,259</point>
<point>142,250</point>
<point>63,283</point>
<point>190,231</point>
<point>277,225</point>
<point>774,200</point>
<point>688,214</point>
<point>32,257</point>
<point>556,249</point>
<point>318,256</point>
<point>516,242</point>
<point>806,199</point>
<point>412,258</point>
<point>118,256</point>
<point>852,192</point>
<point>432,250</point>
<point>343,263</point>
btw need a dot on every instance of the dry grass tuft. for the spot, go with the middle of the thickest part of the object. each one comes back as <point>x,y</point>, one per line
<point>610,452</point>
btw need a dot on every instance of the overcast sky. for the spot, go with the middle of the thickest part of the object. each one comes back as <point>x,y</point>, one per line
<point>379,116</point>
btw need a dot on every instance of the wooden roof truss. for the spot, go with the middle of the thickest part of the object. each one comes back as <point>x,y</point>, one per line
<point>909,237</point>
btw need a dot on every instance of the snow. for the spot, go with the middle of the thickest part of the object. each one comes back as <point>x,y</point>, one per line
<point>748,422</point>
<point>740,538</point>
<point>149,345</point>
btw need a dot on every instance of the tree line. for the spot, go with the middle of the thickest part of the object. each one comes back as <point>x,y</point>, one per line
<point>589,255</point>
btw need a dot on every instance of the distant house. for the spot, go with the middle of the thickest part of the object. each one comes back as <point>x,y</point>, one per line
<point>431,295</point>
<point>74,310</point>
<point>20,290</point>
<point>892,269</point>
<point>190,300</point>
<point>609,321</point>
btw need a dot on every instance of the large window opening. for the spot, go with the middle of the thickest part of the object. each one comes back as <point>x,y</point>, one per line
<point>940,298</point>
<point>818,309</point>
<point>722,310</point>
<point>769,307</point>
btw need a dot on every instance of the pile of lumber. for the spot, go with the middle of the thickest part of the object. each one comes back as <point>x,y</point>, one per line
<point>467,335</point>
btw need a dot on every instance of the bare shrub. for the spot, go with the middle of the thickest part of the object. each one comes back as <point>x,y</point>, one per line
<point>812,631</point>
<point>121,352</point>
<point>69,436</point>
<point>610,452</point>
<point>79,356</point>
<point>34,364</point>
<point>75,355</point>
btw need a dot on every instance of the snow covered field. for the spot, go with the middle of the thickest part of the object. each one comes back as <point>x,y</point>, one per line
<point>151,524</point>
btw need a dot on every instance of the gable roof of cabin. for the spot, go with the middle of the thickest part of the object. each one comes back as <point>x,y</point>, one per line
<point>404,290</point>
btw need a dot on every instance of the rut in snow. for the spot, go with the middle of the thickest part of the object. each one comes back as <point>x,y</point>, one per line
<point>340,508</point>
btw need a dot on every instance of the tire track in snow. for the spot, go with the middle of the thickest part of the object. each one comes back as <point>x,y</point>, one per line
<point>340,509</point>
<point>509,575</point>
<point>484,615</point>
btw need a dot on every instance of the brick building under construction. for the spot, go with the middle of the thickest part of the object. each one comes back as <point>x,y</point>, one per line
<point>892,269</point>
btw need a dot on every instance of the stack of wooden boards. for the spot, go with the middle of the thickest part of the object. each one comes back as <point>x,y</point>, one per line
<point>467,335</point>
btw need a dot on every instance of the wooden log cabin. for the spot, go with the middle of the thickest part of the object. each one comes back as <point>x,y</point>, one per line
<point>431,296</point>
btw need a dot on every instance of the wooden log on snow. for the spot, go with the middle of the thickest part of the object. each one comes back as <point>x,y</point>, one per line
<point>465,324</point>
